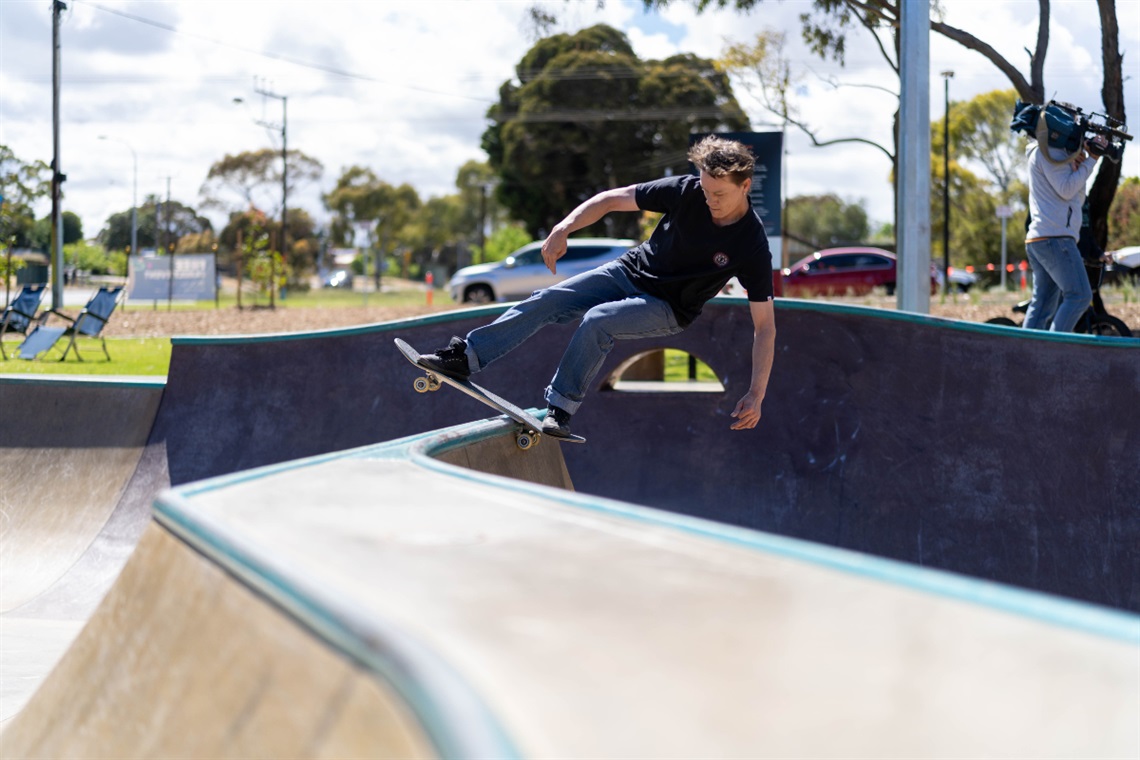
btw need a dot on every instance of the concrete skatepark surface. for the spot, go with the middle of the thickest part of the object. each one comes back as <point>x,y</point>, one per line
<point>908,438</point>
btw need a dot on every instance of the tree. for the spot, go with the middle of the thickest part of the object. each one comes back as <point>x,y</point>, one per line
<point>254,223</point>
<point>767,75</point>
<point>826,221</point>
<point>1124,218</point>
<point>979,132</point>
<point>159,224</point>
<point>255,178</point>
<point>361,196</point>
<point>479,208</point>
<point>435,232</point>
<point>979,136</point>
<point>21,186</point>
<point>587,114</point>
<point>826,26</point>
<point>41,232</point>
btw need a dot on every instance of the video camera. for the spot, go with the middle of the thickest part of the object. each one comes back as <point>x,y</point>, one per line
<point>1068,128</point>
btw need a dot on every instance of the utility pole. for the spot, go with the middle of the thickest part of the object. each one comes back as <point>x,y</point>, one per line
<point>913,209</point>
<point>946,77</point>
<point>169,249</point>
<point>284,127</point>
<point>57,177</point>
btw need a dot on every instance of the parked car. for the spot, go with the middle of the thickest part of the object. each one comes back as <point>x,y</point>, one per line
<point>1126,261</point>
<point>960,279</point>
<point>843,271</point>
<point>524,272</point>
<point>339,278</point>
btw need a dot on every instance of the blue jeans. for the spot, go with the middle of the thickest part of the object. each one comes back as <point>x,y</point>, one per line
<point>610,308</point>
<point>1058,275</point>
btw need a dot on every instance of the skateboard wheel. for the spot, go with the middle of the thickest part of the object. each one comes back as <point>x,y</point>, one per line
<point>422,385</point>
<point>526,440</point>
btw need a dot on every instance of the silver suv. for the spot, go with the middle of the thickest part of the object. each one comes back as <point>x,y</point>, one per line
<point>523,272</point>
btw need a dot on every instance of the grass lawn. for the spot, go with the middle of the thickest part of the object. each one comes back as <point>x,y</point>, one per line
<point>677,368</point>
<point>129,356</point>
<point>151,356</point>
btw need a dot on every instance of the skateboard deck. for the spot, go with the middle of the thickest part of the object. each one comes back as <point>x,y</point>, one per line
<point>531,429</point>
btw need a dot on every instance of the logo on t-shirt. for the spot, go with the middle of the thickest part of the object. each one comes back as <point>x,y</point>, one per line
<point>720,259</point>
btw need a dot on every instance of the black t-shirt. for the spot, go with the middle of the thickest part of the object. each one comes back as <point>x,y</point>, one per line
<point>688,259</point>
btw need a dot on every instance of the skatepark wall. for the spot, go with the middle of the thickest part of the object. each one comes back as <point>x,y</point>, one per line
<point>990,451</point>
<point>383,602</point>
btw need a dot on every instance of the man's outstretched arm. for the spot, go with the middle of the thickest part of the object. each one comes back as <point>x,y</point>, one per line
<point>617,199</point>
<point>747,412</point>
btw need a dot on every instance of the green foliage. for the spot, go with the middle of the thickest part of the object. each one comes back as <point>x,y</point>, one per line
<point>41,232</point>
<point>157,221</point>
<point>254,176</point>
<point>265,267</point>
<point>129,356</point>
<point>22,185</point>
<point>588,115</point>
<point>826,220</point>
<point>979,137</point>
<point>360,196</point>
<point>504,241</point>
<point>1124,216</point>
<point>94,259</point>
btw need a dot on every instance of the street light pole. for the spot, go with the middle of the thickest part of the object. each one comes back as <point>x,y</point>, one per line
<point>134,195</point>
<point>57,177</point>
<point>946,77</point>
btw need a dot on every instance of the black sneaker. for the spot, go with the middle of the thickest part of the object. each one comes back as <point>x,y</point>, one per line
<point>557,423</point>
<point>450,361</point>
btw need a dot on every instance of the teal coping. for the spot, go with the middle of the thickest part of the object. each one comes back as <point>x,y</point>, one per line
<point>796,304</point>
<point>378,327</point>
<point>87,381</point>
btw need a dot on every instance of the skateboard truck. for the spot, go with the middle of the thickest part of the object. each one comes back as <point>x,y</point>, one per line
<point>528,433</point>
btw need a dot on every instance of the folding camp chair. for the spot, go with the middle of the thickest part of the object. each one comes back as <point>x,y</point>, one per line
<point>20,315</point>
<point>89,323</point>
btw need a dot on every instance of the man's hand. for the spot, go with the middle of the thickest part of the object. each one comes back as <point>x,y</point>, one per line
<point>618,199</point>
<point>554,248</point>
<point>747,412</point>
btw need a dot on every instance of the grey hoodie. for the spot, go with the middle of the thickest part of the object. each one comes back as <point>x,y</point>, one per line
<point>1056,194</point>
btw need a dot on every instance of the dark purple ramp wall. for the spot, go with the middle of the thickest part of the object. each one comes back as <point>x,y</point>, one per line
<point>980,450</point>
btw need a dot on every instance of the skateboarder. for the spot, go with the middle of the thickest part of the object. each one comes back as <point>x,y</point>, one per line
<point>709,233</point>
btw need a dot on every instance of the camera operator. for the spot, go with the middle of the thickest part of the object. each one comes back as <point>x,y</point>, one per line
<point>1056,195</point>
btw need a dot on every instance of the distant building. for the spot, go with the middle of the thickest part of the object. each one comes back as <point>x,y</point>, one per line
<point>36,269</point>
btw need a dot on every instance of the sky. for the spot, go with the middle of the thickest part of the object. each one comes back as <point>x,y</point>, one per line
<point>403,87</point>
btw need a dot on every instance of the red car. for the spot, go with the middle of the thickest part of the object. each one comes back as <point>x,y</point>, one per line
<point>844,271</point>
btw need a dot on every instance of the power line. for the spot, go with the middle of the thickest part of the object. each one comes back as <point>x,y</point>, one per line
<point>277,56</point>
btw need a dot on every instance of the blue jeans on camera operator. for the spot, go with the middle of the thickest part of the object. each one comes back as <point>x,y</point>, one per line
<point>1058,275</point>
<point>610,307</point>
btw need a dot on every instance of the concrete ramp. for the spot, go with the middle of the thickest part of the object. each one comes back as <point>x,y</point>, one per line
<point>182,661</point>
<point>73,503</point>
<point>382,602</point>
<point>68,449</point>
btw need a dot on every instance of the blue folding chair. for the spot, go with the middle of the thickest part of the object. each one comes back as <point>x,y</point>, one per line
<point>89,323</point>
<point>20,315</point>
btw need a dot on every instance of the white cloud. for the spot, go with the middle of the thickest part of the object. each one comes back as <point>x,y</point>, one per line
<point>426,74</point>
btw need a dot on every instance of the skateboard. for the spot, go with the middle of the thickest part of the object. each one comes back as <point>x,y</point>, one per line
<point>530,428</point>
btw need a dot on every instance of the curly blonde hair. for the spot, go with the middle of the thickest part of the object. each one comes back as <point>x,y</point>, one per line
<point>723,158</point>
